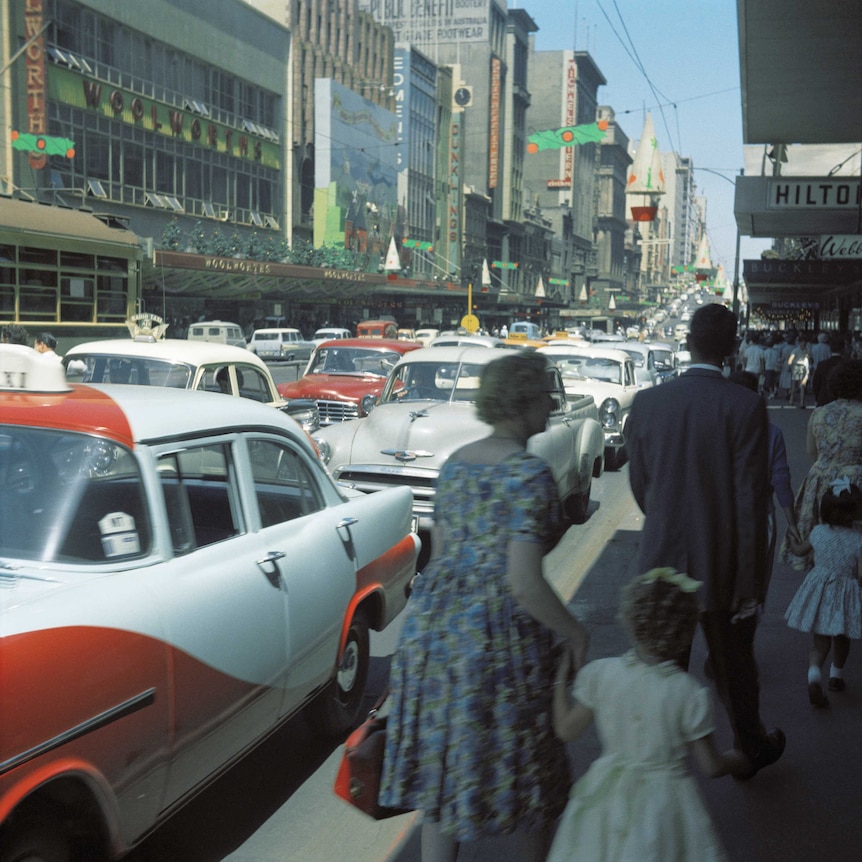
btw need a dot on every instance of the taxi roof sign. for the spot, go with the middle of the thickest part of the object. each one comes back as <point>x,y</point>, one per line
<point>22,369</point>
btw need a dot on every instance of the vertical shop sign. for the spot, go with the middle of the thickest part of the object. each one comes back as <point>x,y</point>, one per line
<point>494,130</point>
<point>568,153</point>
<point>35,72</point>
<point>453,207</point>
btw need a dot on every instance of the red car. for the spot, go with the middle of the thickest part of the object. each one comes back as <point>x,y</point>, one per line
<point>345,377</point>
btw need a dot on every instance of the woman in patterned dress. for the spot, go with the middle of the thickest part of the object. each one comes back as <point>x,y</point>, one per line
<point>835,443</point>
<point>469,739</point>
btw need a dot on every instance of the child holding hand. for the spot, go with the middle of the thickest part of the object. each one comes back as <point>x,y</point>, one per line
<point>638,801</point>
<point>828,602</point>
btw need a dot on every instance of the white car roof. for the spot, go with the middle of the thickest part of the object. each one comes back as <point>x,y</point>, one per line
<point>462,353</point>
<point>171,349</point>
<point>586,350</point>
<point>275,329</point>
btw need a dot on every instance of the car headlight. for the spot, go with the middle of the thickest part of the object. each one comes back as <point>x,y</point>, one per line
<point>367,404</point>
<point>305,412</point>
<point>323,448</point>
<point>609,413</point>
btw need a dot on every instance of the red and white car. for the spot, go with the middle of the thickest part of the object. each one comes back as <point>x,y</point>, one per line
<point>345,378</point>
<point>178,576</point>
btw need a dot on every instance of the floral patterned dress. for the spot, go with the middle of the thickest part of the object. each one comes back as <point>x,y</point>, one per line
<point>837,428</point>
<point>638,802</point>
<point>469,737</point>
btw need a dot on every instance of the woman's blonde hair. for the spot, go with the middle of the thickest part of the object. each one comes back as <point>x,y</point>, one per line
<point>660,611</point>
<point>508,386</point>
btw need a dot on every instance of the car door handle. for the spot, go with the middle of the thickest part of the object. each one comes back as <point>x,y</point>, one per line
<point>268,567</point>
<point>347,522</point>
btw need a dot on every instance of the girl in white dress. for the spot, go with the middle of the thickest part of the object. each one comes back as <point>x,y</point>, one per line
<point>638,802</point>
<point>828,602</point>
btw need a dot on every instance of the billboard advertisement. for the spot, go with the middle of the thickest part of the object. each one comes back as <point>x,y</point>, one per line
<point>355,181</point>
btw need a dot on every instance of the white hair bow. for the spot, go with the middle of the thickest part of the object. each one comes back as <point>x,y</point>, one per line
<point>839,486</point>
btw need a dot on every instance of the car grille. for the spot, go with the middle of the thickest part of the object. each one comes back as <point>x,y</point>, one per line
<point>337,411</point>
<point>369,480</point>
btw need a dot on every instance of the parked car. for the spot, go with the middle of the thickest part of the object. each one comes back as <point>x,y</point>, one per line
<point>344,378</point>
<point>286,345</point>
<point>218,331</point>
<point>330,333</point>
<point>180,577</point>
<point>406,335</point>
<point>175,363</point>
<point>424,336</point>
<point>608,375</point>
<point>427,411</point>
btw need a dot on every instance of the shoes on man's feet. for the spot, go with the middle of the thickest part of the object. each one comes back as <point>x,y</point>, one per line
<point>816,696</point>
<point>836,683</point>
<point>771,749</point>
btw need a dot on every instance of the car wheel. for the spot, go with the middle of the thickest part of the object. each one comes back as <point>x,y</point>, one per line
<point>576,505</point>
<point>35,840</point>
<point>338,708</point>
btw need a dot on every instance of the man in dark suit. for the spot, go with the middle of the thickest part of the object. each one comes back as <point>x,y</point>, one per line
<point>699,472</point>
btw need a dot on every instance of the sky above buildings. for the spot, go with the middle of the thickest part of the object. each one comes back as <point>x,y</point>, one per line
<point>679,60</point>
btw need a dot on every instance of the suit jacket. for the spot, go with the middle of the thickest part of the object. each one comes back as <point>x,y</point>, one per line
<point>698,451</point>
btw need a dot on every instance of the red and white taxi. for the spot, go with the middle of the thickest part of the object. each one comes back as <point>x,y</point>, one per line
<point>178,575</point>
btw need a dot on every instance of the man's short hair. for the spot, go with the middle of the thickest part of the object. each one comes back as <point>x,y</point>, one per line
<point>712,332</point>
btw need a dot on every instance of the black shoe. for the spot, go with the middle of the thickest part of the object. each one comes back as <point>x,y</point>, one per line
<point>771,749</point>
<point>836,683</point>
<point>816,696</point>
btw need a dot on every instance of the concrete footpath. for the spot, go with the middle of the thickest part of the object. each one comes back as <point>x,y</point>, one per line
<point>805,807</point>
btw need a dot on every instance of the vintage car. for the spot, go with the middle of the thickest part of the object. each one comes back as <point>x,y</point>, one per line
<point>286,345</point>
<point>426,411</point>
<point>330,333</point>
<point>644,357</point>
<point>608,375</point>
<point>344,378</point>
<point>424,336</point>
<point>147,359</point>
<point>465,339</point>
<point>665,357</point>
<point>180,576</point>
<point>217,332</point>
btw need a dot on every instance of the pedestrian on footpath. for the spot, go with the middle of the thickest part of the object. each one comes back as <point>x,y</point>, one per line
<point>699,470</point>
<point>800,370</point>
<point>828,603</point>
<point>638,800</point>
<point>469,738</point>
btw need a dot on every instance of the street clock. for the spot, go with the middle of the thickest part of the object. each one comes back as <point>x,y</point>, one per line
<point>463,96</point>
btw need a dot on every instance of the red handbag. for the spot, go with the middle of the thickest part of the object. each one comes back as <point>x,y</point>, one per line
<point>358,778</point>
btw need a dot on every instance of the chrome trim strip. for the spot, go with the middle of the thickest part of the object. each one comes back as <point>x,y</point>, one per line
<point>115,713</point>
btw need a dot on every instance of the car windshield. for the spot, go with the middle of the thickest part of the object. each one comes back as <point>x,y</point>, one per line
<point>353,360</point>
<point>592,367</point>
<point>638,357</point>
<point>137,370</point>
<point>68,497</point>
<point>433,381</point>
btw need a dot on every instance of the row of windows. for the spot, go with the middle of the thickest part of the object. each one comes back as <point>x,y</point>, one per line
<point>39,284</point>
<point>129,162</point>
<point>108,42</point>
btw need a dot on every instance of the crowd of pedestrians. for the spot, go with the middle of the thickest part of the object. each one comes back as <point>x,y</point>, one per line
<point>490,675</point>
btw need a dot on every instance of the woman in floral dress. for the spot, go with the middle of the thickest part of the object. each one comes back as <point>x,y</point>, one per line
<point>469,737</point>
<point>835,443</point>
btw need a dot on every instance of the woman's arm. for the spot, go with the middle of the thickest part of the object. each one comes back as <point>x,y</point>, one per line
<point>810,441</point>
<point>570,718</point>
<point>714,764</point>
<point>538,598</point>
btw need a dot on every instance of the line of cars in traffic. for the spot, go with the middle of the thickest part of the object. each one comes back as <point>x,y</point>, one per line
<point>181,572</point>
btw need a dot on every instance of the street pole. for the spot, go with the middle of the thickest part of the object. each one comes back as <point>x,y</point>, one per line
<point>736,267</point>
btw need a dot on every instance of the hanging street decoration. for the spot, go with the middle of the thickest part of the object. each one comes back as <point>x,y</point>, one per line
<point>646,179</point>
<point>500,264</point>
<point>568,136</point>
<point>703,268</point>
<point>416,243</point>
<point>43,144</point>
